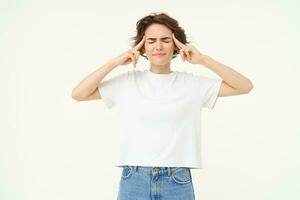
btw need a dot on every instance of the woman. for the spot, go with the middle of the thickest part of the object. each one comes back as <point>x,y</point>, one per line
<point>159,109</point>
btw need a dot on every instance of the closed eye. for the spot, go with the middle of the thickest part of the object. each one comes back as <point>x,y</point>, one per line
<point>153,42</point>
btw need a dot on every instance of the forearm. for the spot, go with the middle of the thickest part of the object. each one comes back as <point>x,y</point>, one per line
<point>229,75</point>
<point>91,82</point>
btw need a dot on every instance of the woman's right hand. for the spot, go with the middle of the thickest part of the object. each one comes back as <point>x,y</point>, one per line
<point>130,55</point>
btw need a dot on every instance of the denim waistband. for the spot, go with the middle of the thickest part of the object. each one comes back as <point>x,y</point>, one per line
<point>157,170</point>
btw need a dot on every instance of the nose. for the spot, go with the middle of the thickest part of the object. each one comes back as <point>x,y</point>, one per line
<point>158,45</point>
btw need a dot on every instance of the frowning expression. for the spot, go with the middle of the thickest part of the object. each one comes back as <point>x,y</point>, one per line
<point>159,45</point>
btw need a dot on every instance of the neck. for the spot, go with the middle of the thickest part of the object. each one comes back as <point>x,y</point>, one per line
<point>160,69</point>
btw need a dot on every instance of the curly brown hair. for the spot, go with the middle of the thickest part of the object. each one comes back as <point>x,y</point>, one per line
<point>161,18</point>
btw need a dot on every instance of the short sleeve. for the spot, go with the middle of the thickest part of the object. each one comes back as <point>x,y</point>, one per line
<point>209,88</point>
<point>111,90</point>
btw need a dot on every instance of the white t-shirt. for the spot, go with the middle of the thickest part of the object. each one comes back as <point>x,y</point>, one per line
<point>159,116</point>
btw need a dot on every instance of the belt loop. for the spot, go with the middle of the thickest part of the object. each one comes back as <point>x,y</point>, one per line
<point>135,168</point>
<point>169,171</point>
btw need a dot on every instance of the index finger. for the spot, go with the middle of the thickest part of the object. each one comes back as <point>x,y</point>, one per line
<point>140,44</point>
<point>177,42</point>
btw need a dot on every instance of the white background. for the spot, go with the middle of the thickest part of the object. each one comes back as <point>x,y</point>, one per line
<point>55,148</point>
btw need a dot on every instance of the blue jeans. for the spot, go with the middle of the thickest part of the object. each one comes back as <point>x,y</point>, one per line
<point>156,183</point>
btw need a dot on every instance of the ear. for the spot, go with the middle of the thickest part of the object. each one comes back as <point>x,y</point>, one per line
<point>142,50</point>
<point>175,46</point>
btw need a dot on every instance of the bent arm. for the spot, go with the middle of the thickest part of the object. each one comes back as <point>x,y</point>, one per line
<point>89,84</point>
<point>232,78</point>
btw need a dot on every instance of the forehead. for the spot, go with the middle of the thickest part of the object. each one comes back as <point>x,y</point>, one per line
<point>158,31</point>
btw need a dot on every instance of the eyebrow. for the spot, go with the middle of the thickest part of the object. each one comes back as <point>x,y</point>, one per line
<point>164,38</point>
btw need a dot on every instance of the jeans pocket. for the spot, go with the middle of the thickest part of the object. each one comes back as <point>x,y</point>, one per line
<point>126,172</point>
<point>181,175</point>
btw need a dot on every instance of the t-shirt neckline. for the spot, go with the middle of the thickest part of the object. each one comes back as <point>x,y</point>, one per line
<point>160,81</point>
<point>157,75</point>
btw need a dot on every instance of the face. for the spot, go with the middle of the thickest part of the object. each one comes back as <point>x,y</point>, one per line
<point>159,41</point>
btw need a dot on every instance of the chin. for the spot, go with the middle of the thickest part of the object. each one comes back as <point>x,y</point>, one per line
<point>160,62</point>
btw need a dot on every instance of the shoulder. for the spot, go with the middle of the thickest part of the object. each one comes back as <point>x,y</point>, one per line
<point>190,77</point>
<point>200,78</point>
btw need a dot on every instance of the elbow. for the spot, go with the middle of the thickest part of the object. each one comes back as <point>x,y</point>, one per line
<point>250,87</point>
<point>75,96</point>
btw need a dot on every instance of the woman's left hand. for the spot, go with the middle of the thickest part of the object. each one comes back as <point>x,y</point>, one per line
<point>188,52</point>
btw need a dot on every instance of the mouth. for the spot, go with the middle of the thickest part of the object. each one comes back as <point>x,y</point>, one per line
<point>159,54</point>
